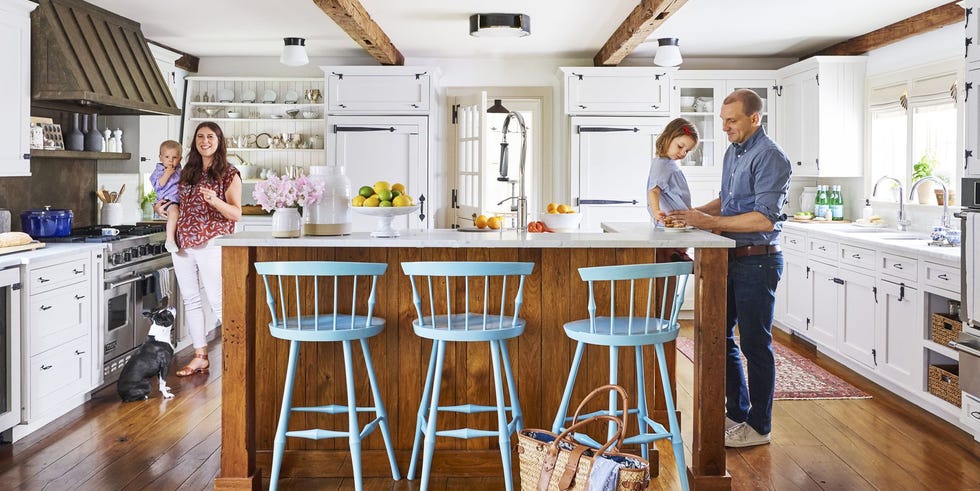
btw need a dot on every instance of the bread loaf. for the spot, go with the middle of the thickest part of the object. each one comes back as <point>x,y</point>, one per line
<point>8,239</point>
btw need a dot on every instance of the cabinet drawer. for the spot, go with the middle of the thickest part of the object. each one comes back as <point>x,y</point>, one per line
<point>58,315</point>
<point>857,256</point>
<point>58,374</point>
<point>826,249</point>
<point>793,241</point>
<point>942,276</point>
<point>58,275</point>
<point>896,265</point>
<point>392,93</point>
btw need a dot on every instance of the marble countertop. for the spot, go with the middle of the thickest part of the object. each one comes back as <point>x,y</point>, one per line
<point>50,249</point>
<point>629,235</point>
<point>913,244</point>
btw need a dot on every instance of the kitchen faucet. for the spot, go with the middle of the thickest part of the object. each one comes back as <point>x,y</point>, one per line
<point>498,108</point>
<point>945,219</point>
<point>903,224</point>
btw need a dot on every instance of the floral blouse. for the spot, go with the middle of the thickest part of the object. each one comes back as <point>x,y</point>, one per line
<point>198,221</point>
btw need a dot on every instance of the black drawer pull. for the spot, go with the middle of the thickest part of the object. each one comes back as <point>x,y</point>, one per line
<point>856,256</point>
<point>79,297</point>
<point>78,271</point>
<point>79,352</point>
<point>943,277</point>
<point>45,367</point>
<point>897,266</point>
<point>46,307</point>
<point>822,248</point>
<point>42,280</point>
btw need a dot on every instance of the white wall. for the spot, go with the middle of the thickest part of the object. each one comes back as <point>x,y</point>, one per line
<point>925,48</point>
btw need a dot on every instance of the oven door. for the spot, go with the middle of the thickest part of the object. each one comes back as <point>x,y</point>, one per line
<point>119,321</point>
<point>10,366</point>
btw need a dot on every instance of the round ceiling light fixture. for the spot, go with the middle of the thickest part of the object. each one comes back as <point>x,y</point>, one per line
<point>668,54</point>
<point>500,25</point>
<point>294,52</point>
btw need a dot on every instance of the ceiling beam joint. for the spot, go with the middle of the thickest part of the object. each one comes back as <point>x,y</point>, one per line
<point>635,29</point>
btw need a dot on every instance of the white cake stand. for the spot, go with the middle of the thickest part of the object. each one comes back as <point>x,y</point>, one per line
<point>385,216</point>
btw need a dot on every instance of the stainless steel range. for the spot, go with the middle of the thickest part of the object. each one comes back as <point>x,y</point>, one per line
<point>136,265</point>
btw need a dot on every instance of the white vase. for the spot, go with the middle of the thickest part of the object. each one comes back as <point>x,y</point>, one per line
<point>286,222</point>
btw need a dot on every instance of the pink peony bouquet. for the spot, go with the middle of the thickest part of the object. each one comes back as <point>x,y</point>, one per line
<point>286,192</point>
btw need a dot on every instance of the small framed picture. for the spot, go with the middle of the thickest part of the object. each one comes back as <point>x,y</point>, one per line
<point>52,137</point>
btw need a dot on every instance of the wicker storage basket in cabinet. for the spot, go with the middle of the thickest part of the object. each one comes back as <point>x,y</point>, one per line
<point>945,329</point>
<point>944,383</point>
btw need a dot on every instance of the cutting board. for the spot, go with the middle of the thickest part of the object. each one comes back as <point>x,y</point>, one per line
<point>23,247</point>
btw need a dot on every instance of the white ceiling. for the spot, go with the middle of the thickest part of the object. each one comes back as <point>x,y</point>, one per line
<point>559,28</point>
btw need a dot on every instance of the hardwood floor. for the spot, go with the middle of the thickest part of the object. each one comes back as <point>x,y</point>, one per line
<point>879,443</point>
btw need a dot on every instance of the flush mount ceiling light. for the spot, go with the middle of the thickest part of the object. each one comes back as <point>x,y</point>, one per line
<point>500,25</point>
<point>668,54</point>
<point>294,52</point>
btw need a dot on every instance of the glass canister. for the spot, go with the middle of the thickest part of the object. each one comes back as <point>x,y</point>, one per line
<point>331,215</point>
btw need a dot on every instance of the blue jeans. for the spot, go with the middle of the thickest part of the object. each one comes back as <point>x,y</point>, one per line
<point>751,299</point>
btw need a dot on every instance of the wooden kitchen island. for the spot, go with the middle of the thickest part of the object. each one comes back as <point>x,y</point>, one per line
<point>254,363</point>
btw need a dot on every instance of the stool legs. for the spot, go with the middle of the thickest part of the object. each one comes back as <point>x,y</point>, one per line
<point>515,404</point>
<point>641,401</point>
<point>430,430</point>
<point>279,443</point>
<point>559,422</point>
<point>504,433</point>
<point>382,414</point>
<point>675,427</point>
<point>423,407</point>
<point>613,396</point>
<point>353,429</point>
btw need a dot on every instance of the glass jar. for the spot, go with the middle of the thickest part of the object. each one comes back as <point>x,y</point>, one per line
<point>331,215</point>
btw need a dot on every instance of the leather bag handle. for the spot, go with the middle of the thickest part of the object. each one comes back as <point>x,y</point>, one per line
<point>621,422</point>
<point>575,455</point>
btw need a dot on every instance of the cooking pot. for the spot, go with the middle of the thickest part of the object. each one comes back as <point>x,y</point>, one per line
<point>46,223</point>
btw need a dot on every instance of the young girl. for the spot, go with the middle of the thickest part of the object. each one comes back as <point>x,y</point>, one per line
<point>164,179</point>
<point>666,185</point>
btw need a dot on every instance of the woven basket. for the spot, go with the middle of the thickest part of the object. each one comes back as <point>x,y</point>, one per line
<point>944,383</point>
<point>533,445</point>
<point>945,329</point>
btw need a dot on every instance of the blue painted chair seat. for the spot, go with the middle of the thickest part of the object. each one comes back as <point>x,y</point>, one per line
<point>623,332</point>
<point>471,327</point>
<point>322,328</point>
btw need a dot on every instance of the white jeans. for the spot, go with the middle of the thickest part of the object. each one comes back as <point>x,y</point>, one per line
<point>196,266</point>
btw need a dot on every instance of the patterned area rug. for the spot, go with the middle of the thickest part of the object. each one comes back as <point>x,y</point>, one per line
<point>797,378</point>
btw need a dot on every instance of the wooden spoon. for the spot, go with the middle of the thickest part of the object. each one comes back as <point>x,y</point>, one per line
<point>101,195</point>
<point>121,190</point>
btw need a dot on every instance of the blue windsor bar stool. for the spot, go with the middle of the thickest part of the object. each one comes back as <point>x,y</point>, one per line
<point>435,288</point>
<point>308,303</point>
<point>631,330</point>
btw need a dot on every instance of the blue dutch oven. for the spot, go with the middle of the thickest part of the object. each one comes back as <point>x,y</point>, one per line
<point>46,223</point>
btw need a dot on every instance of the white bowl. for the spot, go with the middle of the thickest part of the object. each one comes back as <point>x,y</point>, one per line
<point>687,102</point>
<point>561,222</point>
<point>310,115</point>
<point>233,114</point>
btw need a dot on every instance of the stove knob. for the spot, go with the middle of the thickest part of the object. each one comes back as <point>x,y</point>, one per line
<point>127,256</point>
<point>115,259</point>
<point>158,249</point>
<point>142,250</point>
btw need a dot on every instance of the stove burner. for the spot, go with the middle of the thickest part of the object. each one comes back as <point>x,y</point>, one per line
<point>124,230</point>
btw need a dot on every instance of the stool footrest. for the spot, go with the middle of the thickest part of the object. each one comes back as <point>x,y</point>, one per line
<point>467,433</point>
<point>473,408</point>
<point>317,434</point>
<point>333,409</point>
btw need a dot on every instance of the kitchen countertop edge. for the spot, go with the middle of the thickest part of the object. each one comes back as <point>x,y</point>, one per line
<point>50,249</point>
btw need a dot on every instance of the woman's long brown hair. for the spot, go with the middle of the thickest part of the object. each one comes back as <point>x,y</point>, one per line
<point>193,169</point>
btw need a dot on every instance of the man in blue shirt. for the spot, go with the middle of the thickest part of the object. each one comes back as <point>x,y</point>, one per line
<point>755,180</point>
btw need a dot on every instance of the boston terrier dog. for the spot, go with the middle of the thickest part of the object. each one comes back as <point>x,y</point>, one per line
<point>152,359</point>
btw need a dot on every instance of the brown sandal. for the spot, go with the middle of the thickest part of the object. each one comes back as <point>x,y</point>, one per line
<point>189,370</point>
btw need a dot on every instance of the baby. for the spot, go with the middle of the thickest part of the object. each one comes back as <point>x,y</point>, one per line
<point>164,179</point>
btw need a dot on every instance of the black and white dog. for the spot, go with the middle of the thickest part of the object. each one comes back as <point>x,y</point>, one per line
<point>152,359</point>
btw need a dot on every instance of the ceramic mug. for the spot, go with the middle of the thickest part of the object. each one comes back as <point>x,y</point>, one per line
<point>110,232</point>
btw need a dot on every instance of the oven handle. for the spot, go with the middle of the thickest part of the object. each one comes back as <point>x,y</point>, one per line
<point>966,348</point>
<point>110,286</point>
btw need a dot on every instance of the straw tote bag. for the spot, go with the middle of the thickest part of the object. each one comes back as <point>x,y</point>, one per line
<point>550,462</point>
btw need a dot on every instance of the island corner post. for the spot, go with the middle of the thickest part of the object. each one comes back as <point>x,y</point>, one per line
<point>251,388</point>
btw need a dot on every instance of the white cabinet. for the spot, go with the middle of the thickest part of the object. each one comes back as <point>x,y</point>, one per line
<point>856,336</point>
<point>379,90</point>
<point>821,115</point>
<point>971,105</point>
<point>825,308</point>
<point>697,96</point>
<point>972,32</point>
<point>898,354</point>
<point>15,87</point>
<point>799,293</point>
<point>638,91</point>
<point>267,121</point>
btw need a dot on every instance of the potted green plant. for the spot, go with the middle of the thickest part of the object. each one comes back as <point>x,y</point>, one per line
<point>146,204</point>
<point>924,168</point>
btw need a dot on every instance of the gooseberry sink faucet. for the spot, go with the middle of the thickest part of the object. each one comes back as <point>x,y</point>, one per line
<point>945,219</point>
<point>903,224</point>
<point>498,108</point>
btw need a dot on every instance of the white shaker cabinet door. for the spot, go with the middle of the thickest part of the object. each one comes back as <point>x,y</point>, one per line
<point>897,353</point>
<point>15,87</point>
<point>971,157</point>
<point>825,315</point>
<point>382,148</point>
<point>856,336</point>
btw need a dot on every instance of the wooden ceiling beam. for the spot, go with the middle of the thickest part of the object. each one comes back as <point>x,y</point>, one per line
<point>357,23</point>
<point>186,62</point>
<point>941,16</point>
<point>639,24</point>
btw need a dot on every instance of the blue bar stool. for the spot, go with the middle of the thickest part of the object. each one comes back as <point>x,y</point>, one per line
<point>632,330</point>
<point>435,288</point>
<point>304,299</point>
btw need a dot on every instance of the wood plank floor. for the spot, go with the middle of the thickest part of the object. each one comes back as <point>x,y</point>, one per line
<point>880,443</point>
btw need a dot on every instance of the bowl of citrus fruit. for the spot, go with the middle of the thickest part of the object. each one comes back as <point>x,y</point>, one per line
<point>384,201</point>
<point>560,218</point>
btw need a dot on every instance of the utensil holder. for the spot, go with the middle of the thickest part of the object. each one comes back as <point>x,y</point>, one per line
<point>112,214</point>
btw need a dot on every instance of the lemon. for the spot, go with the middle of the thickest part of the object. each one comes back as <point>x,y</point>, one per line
<point>385,204</point>
<point>552,208</point>
<point>384,195</point>
<point>358,201</point>
<point>372,202</point>
<point>565,209</point>
<point>378,186</point>
<point>493,223</point>
<point>480,221</point>
<point>365,191</point>
<point>398,187</point>
<point>401,200</point>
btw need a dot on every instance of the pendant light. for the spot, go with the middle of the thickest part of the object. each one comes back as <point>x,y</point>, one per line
<point>497,108</point>
<point>294,52</point>
<point>500,25</point>
<point>668,54</point>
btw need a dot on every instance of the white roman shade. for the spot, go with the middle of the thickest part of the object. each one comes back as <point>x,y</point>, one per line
<point>935,89</point>
<point>887,97</point>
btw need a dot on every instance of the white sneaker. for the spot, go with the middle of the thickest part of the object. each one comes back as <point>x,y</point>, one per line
<point>171,246</point>
<point>743,435</point>
<point>730,423</point>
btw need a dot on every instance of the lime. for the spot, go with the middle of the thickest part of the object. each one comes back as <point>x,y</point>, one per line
<point>395,194</point>
<point>384,195</point>
<point>366,191</point>
<point>385,204</point>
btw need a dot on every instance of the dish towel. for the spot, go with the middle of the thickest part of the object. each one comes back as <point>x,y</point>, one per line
<point>162,277</point>
<point>604,475</point>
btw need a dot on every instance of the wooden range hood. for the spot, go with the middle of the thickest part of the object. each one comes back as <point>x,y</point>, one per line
<point>87,59</point>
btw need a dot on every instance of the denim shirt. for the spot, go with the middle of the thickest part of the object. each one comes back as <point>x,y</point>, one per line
<point>755,177</point>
